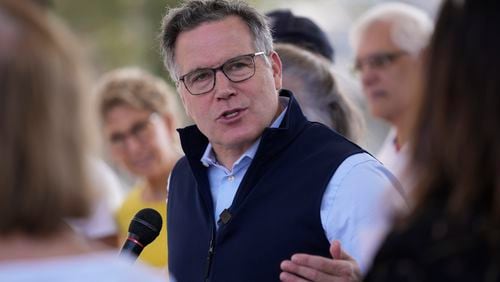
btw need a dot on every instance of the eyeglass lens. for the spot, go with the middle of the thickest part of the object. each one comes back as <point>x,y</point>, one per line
<point>236,70</point>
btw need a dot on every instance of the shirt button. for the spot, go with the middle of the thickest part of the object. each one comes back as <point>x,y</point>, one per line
<point>230,178</point>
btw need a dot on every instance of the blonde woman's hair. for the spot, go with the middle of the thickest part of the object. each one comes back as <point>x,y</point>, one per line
<point>137,88</point>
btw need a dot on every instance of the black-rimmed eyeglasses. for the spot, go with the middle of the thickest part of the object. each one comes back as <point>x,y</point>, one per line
<point>377,61</point>
<point>237,69</point>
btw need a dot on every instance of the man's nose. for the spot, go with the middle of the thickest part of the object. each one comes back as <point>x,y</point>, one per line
<point>368,76</point>
<point>223,86</point>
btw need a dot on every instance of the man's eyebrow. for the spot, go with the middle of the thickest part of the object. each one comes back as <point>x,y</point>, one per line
<point>213,66</point>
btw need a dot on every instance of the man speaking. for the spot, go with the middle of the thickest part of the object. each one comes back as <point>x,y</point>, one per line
<point>258,182</point>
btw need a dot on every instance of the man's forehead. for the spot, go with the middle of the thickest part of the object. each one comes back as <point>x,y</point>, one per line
<point>376,37</point>
<point>212,43</point>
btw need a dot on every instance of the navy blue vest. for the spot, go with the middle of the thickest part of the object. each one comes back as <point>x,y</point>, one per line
<point>276,210</point>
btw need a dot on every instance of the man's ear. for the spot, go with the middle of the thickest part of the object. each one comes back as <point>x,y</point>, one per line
<point>276,66</point>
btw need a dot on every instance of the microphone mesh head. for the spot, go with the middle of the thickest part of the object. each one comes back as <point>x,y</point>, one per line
<point>146,225</point>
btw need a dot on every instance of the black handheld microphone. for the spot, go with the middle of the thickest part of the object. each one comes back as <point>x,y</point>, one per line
<point>143,229</point>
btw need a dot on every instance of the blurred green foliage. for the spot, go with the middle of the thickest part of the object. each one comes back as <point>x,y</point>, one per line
<point>117,33</point>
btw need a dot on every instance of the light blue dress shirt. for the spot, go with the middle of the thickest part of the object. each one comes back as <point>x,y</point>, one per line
<point>350,199</point>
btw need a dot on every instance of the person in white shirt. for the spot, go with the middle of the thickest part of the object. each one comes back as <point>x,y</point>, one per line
<point>101,225</point>
<point>389,41</point>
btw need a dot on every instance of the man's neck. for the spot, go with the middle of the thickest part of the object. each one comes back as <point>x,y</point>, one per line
<point>402,127</point>
<point>227,156</point>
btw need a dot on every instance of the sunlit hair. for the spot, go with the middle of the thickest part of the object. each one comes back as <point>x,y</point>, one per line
<point>411,28</point>
<point>137,88</point>
<point>316,91</point>
<point>194,13</point>
<point>456,148</point>
<point>42,135</point>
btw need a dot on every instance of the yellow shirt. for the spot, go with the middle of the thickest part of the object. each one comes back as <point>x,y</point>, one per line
<point>155,254</point>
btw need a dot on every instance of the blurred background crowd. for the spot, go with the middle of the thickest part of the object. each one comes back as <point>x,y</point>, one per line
<point>360,73</point>
<point>119,33</point>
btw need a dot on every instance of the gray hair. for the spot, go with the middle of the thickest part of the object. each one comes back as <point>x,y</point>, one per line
<point>196,12</point>
<point>310,78</point>
<point>411,28</point>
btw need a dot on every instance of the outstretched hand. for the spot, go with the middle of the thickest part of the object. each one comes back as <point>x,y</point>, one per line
<point>303,267</point>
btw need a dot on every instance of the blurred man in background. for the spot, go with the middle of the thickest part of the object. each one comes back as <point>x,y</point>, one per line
<point>389,42</point>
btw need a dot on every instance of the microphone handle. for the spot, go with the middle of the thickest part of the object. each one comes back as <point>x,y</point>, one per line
<point>131,247</point>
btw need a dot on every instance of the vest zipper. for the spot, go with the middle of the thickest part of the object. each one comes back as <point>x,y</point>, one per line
<point>211,252</point>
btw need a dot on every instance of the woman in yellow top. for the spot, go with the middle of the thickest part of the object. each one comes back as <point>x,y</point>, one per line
<point>138,117</point>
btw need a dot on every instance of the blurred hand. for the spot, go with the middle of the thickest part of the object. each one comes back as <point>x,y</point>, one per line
<point>303,267</point>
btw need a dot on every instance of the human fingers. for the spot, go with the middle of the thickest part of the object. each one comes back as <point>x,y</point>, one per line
<point>337,252</point>
<point>327,266</point>
<point>311,272</point>
<point>290,277</point>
